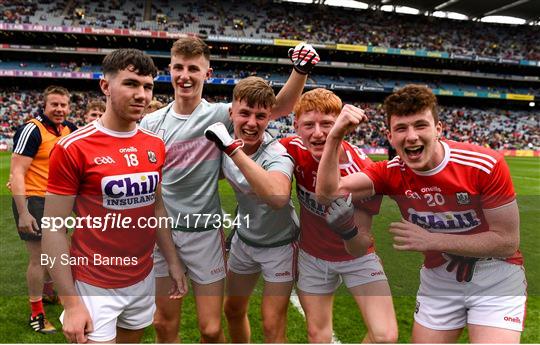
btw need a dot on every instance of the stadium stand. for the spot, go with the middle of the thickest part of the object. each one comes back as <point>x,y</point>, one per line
<point>262,19</point>
<point>280,75</point>
<point>496,128</point>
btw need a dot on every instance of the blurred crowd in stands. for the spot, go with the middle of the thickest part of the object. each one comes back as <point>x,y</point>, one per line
<point>281,73</point>
<point>496,128</point>
<point>266,19</point>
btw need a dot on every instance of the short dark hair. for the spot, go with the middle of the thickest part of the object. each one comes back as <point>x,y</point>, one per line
<point>410,100</point>
<point>121,59</point>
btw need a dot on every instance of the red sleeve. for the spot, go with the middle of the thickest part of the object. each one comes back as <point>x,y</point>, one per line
<point>64,174</point>
<point>497,188</point>
<point>377,173</point>
<point>371,205</point>
<point>286,142</point>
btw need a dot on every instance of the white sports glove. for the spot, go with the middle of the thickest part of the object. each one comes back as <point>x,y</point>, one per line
<point>219,134</point>
<point>304,57</point>
<point>340,218</point>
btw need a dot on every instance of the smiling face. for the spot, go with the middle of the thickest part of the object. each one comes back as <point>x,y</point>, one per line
<point>188,75</point>
<point>249,124</point>
<point>415,138</point>
<point>128,94</point>
<point>313,127</point>
<point>56,107</point>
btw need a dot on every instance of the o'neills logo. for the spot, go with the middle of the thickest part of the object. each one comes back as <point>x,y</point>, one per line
<point>283,274</point>
<point>122,192</point>
<point>378,273</point>
<point>512,319</point>
<point>445,221</point>
<point>130,149</point>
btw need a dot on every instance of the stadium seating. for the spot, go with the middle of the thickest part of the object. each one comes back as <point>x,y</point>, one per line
<point>496,128</point>
<point>280,74</point>
<point>291,21</point>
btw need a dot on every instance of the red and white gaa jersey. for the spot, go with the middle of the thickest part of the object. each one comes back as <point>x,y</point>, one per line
<point>451,197</point>
<point>316,237</point>
<point>114,176</point>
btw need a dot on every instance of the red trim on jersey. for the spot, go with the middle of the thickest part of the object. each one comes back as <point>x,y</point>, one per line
<point>77,133</point>
<point>145,131</point>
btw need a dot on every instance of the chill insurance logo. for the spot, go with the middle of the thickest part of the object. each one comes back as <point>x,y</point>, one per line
<point>128,191</point>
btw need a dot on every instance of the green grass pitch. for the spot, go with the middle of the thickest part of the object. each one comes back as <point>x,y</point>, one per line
<point>401,268</point>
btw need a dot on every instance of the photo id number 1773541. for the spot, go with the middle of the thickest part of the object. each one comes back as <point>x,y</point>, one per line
<point>204,220</point>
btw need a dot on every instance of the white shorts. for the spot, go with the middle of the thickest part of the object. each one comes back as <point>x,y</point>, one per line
<point>278,264</point>
<point>202,253</point>
<point>494,297</point>
<point>130,308</point>
<point>320,276</point>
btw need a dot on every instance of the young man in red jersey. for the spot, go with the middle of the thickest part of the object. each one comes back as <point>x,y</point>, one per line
<point>459,208</point>
<point>109,173</point>
<point>329,256</point>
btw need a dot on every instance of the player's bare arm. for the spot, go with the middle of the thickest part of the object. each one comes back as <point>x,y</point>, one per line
<point>359,244</point>
<point>502,239</point>
<point>77,321</point>
<point>19,167</point>
<point>330,184</point>
<point>166,245</point>
<point>304,58</point>
<point>273,187</point>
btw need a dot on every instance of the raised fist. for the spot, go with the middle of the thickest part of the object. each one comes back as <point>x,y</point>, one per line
<point>219,134</point>
<point>304,57</point>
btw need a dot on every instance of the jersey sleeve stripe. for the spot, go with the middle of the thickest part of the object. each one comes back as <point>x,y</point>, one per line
<point>23,139</point>
<point>484,169</point>
<point>76,133</point>
<point>393,160</point>
<point>473,153</point>
<point>145,131</point>
<point>355,166</point>
<point>298,144</point>
<point>474,159</point>
<point>78,137</point>
<point>392,165</point>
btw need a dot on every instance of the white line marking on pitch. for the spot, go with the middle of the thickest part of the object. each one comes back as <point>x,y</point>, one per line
<point>296,303</point>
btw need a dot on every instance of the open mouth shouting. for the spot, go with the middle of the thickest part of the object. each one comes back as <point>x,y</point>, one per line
<point>414,152</point>
<point>250,134</point>
<point>317,144</point>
